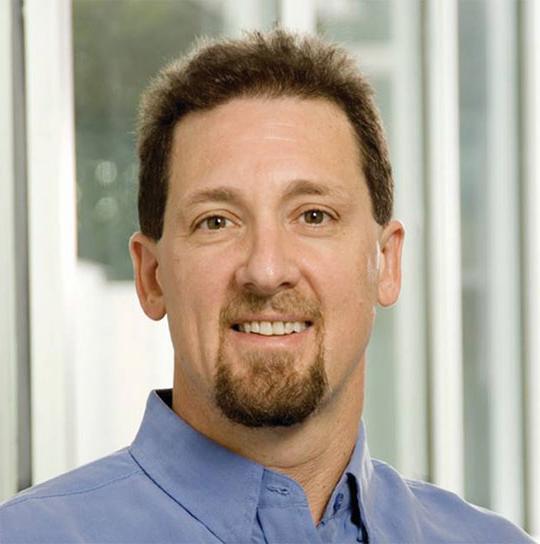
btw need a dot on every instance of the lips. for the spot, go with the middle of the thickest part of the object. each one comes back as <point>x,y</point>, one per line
<point>272,328</point>
<point>293,340</point>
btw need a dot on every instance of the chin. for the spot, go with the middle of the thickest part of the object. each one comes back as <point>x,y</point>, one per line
<point>272,393</point>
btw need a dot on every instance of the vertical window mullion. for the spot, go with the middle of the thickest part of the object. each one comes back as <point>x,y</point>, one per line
<point>531,292</point>
<point>299,15</point>
<point>444,254</point>
<point>242,15</point>
<point>8,348</point>
<point>52,231</point>
<point>410,336</point>
<point>502,233</point>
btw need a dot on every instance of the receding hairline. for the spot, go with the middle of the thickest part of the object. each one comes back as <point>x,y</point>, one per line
<point>271,64</point>
<point>269,98</point>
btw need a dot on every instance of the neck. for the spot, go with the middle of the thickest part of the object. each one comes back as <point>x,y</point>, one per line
<point>314,453</point>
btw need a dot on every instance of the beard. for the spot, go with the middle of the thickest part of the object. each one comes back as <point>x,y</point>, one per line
<point>270,392</point>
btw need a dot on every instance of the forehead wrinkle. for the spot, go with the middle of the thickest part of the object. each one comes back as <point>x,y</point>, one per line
<point>280,138</point>
<point>217,194</point>
<point>295,188</point>
<point>300,187</point>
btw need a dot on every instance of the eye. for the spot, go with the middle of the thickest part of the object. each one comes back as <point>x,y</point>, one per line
<point>212,222</point>
<point>315,216</point>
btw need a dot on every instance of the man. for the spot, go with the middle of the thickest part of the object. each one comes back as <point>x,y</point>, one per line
<point>267,239</point>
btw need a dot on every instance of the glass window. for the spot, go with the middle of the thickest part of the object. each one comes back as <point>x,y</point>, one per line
<point>473,81</point>
<point>384,37</point>
<point>118,46</point>
<point>355,20</point>
<point>135,40</point>
<point>491,260</point>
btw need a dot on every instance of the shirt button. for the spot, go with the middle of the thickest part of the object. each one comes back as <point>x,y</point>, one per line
<point>338,502</point>
<point>279,490</point>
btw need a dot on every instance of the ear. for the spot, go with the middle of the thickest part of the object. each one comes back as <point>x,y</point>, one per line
<point>389,281</point>
<point>145,268</point>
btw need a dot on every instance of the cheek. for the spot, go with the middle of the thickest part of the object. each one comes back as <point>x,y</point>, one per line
<point>189,292</point>
<point>352,303</point>
<point>193,295</point>
<point>352,280</point>
<point>195,281</point>
<point>350,309</point>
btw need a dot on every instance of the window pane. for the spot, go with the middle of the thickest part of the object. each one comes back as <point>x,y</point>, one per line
<point>384,36</point>
<point>351,20</point>
<point>135,40</point>
<point>118,46</point>
<point>472,72</point>
<point>490,187</point>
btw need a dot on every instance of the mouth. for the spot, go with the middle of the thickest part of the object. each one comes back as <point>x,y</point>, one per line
<point>271,334</point>
<point>272,328</point>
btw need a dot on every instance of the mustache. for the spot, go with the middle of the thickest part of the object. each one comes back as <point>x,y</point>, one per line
<point>284,302</point>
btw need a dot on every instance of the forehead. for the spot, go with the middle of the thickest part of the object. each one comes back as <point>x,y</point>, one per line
<point>258,141</point>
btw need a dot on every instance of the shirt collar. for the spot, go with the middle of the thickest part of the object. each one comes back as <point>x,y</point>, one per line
<point>202,476</point>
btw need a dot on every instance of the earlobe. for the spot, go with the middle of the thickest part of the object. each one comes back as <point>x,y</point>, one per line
<point>145,261</point>
<point>389,281</point>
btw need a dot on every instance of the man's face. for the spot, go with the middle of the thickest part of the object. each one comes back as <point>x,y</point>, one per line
<point>269,267</point>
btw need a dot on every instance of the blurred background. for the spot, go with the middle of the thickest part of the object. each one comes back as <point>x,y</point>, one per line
<point>453,382</point>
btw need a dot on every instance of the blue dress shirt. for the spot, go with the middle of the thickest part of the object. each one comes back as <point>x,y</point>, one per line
<point>175,485</point>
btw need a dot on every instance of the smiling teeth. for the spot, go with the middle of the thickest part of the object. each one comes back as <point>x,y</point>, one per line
<point>275,328</point>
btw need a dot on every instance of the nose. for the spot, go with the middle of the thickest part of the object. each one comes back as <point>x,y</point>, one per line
<point>269,264</point>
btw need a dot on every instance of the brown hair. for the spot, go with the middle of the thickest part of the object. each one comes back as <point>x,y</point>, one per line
<point>273,64</point>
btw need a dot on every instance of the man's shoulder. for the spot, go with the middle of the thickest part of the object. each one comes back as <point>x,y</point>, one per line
<point>445,514</point>
<point>79,481</point>
<point>36,512</point>
<point>109,500</point>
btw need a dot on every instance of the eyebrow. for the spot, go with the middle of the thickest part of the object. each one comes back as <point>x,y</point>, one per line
<point>295,188</point>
